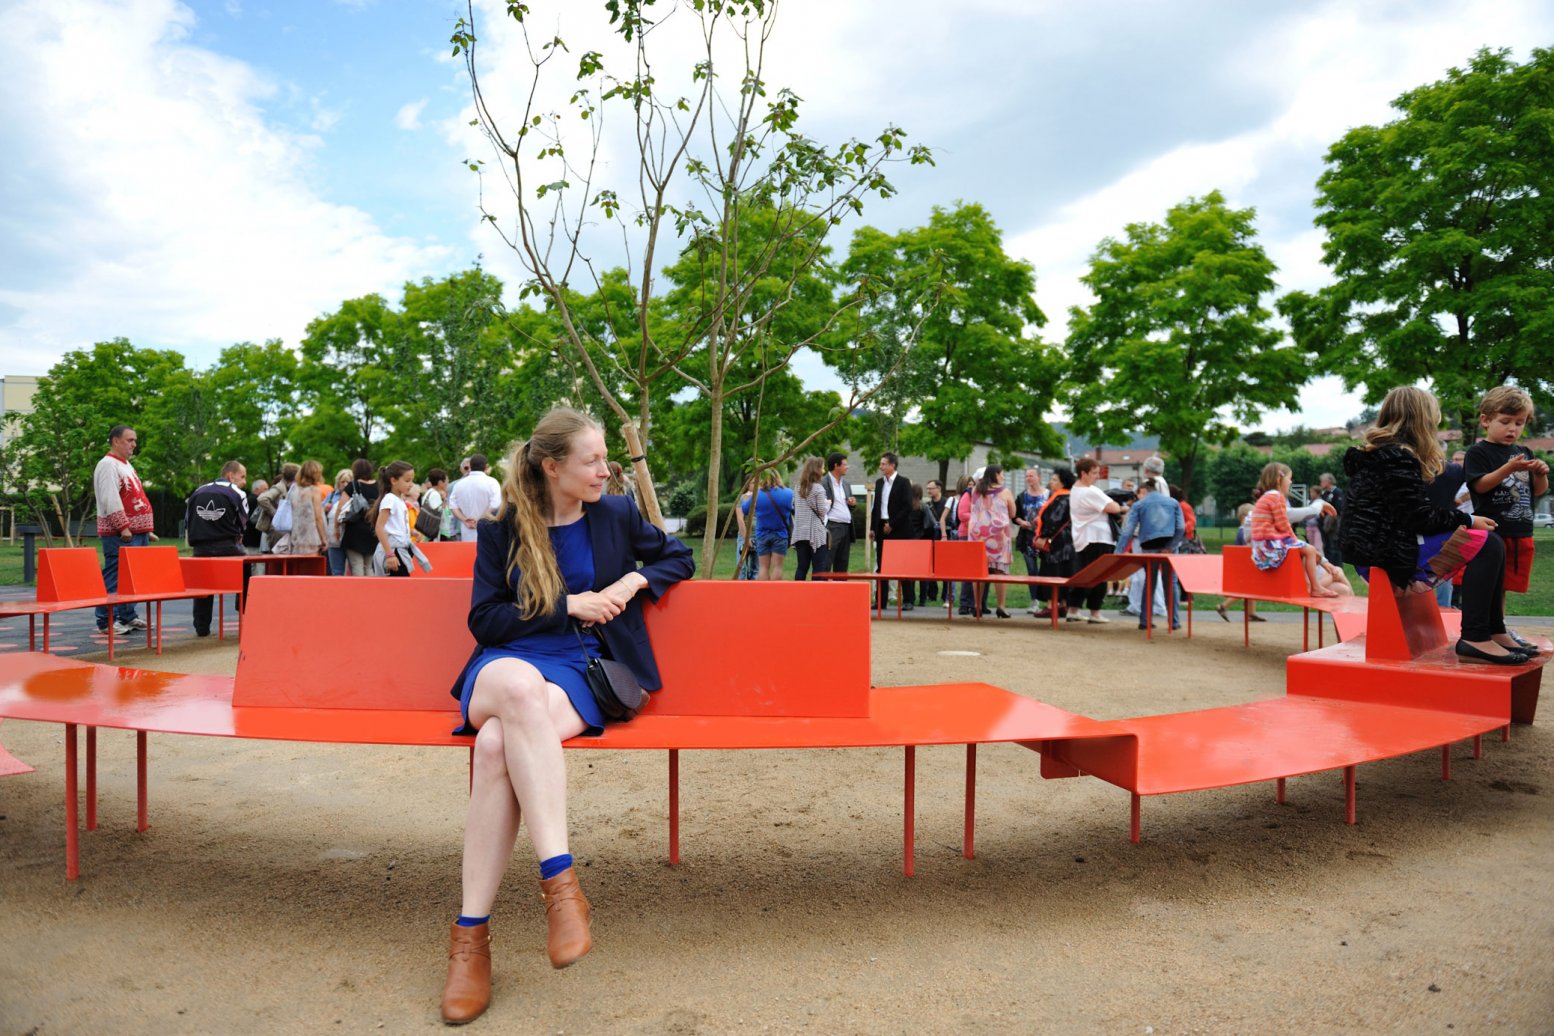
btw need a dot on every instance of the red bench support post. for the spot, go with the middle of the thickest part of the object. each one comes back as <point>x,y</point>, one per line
<point>72,844</point>
<point>909,812</point>
<point>674,806</point>
<point>1349,773</point>
<point>140,780</point>
<point>91,778</point>
<point>969,836</point>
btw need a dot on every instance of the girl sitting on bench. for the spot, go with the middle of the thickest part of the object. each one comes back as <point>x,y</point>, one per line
<point>1272,535</point>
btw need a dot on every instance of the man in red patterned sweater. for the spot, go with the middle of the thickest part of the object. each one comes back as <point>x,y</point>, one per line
<point>123,520</point>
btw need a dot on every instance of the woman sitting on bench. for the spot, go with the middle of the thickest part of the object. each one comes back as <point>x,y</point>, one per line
<point>539,609</point>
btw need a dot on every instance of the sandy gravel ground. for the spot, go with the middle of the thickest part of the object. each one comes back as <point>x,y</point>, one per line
<point>290,888</point>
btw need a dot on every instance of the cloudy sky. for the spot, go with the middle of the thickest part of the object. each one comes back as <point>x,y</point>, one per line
<point>190,175</point>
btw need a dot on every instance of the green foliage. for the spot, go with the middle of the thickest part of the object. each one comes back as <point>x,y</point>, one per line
<point>259,405</point>
<point>1231,476</point>
<point>975,373</point>
<point>1440,230</point>
<point>1178,337</point>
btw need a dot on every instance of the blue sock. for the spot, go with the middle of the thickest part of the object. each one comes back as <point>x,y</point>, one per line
<point>471,922</point>
<point>554,866</point>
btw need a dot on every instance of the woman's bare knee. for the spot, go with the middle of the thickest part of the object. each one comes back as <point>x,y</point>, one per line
<point>490,751</point>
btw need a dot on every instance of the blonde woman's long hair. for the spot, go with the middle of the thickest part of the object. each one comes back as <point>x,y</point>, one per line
<point>1410,417</point>
<point>526,504</point>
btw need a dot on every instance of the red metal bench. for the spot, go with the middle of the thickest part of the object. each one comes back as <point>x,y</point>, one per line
<point>719,692</point>
<point>69,579</point>
<point>1399,689</point>
<point>157,573</point>
<point>1283,585</point>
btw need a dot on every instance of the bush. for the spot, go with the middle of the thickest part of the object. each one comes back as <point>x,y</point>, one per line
<point>682,499</point>
<point>696,519</point>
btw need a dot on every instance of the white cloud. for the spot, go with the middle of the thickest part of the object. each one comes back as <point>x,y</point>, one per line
<point>409,117</point>
<point>147,194</point>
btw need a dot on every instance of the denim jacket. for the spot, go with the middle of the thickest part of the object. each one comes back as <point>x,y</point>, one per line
<point>1152,518</point>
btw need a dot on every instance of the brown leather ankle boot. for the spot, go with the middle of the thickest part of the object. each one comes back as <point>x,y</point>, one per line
<point>567,914</point>
<point>467,993</point>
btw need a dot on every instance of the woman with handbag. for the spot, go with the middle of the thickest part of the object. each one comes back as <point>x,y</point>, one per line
<point>560,573</point>
<point>1054,541</point>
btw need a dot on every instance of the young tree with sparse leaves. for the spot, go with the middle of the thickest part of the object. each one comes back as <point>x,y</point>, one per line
<point>687,167</point>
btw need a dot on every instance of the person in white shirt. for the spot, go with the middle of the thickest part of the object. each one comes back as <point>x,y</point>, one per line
<point>473,497</point>
<point>391,520</point>
<point>839,512</point>
<point>1088,507</point>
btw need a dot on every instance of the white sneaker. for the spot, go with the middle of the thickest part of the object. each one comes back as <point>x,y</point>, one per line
<point>138,623</point>
<point>121,629</point>
<point>1096,619</point>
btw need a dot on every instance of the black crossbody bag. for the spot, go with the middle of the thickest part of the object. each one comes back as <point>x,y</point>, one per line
<point>614,686</point>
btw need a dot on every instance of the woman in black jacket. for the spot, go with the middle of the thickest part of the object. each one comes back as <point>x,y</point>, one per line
<point>560,564</point>
<point>1389,523</point>
<point>1054,540</point>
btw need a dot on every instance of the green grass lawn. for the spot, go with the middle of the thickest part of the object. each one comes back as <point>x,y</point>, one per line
<point>1538,601</point>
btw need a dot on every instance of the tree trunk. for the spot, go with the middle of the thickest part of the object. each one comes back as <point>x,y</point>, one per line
<point>944,473</point>
<point>647,496</point>
<point>709,536</point>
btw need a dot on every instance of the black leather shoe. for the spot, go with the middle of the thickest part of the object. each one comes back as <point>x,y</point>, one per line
<point>1522,644</point>
<point>1473,654</point>
<point>908,606</point>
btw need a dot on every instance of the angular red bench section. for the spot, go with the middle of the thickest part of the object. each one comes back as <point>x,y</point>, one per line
<point>721,690</point>
<point>70,579</point>
<point>1283,585</point>
<point>1394,691</point>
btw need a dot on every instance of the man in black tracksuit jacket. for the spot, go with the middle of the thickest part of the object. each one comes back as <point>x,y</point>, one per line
<point>216,518</point>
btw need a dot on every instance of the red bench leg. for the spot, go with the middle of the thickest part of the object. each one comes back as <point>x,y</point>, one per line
<point>1246,623</point>
<point>1305,629</point>
<point>1133,820</point>
<point>46,635</point>
<point>674,806</point>
<point>158,629</point>
<point>91,778</point>
<point>1505,734</point>
<point>1321,628</point>
<point>1446,762</point>
<point>221,616</point>
<point>1278,791</point>
<point>32,633</point>
<point>968,840</point>
<point>1349,794</point>
<point>140,780</point>
<point>1149,606</point>
<point>909,811</point>
<point>1478,746</point>
<point>72,845</point>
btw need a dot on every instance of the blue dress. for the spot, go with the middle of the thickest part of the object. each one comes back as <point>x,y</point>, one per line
<point>558,656</point>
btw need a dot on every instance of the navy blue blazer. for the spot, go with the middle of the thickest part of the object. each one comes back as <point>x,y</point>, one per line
<point>621,539</point>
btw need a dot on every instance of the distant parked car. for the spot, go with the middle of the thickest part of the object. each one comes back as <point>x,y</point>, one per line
<point>1543,520</point>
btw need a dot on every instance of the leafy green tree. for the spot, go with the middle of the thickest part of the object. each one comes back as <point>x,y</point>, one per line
<point>1231,475</point>
<point>1178,342</point>
<point>80,399</point>
<point>353,381</point>
<point>976,373</point>
<point>258,404</point>
<point>1440,231</point>
<point>458,343</point>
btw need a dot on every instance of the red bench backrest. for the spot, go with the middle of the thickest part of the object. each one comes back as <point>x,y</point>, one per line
<point>911,557</point>
<point>69,574</point>
<point>1243,577</point>
<point>959,559</point>
<point>450,560</point>
<point>1400,626</point>
<point>150,570</point>
<point>729,648</point>
<point>723,648</point>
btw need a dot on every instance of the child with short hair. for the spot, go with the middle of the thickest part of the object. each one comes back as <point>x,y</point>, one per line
<point>1505,478</point>
<point>1273,537</point>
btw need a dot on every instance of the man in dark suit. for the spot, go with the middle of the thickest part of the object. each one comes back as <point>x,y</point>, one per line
<point>888,516</point>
